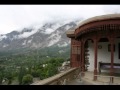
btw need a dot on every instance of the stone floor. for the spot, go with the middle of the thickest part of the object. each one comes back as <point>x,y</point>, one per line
<point>103,79</point>
<point>78,82</point>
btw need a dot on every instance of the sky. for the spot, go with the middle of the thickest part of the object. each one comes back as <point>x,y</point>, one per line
<point>16,17</point>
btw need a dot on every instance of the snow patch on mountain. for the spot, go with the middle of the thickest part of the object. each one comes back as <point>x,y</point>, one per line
<point>53,41</point>
<point>2,37</point>
<point>48,31</point>
<point>5,45</point>
<point>51,27</point>
<point>54,38</point>
<point>14,37</point>
<point>24,43</point>
<point>27,34</point>
<point>29,41</point>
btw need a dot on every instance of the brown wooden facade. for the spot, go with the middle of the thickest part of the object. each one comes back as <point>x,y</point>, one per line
<point>106,26</point>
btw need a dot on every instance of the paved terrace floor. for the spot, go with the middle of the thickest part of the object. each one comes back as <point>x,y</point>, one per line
<point>103,79</point>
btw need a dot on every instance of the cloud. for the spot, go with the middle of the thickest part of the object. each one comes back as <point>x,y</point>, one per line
<point>16,17</point>
<point>27,34</point>
<point>111,9</point>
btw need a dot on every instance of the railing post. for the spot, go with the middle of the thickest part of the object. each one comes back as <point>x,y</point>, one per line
<point>111,80</point>
<point>80,76</point>
<point>64,82</point>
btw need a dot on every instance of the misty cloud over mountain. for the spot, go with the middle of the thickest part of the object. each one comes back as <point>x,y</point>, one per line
<point>47,35</point>
<point>17,17</point>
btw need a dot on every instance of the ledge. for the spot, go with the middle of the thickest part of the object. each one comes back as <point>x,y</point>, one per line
<point>53,78</point>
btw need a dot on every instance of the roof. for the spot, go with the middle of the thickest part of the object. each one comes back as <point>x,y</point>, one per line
<point>70,33</point>
<point>99,18</point>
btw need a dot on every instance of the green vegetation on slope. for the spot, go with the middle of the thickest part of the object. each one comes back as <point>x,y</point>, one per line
<point>22,68</point>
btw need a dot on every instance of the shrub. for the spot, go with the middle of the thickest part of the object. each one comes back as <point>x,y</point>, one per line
<point>27,79</point>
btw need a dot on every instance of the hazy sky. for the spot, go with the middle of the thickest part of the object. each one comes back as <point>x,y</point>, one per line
<point>16,17</point>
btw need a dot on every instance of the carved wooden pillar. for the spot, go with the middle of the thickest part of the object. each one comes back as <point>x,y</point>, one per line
<point>112,56</point>
<point>71,54</point>
<point>95,58</point>
<point>78,53</point>
<point>83,57</point>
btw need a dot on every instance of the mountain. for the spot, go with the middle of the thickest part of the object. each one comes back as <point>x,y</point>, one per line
<point>49,34</point>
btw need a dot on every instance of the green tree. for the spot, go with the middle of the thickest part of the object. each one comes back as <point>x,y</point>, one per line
<point>27,79</point>
<point>1,78</point>
<point>10,78</point>
<point>22,72</point>
<point>34,73</point>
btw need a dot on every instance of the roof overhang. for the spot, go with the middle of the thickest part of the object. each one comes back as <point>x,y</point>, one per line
<point>93,22</point>
<point>99,18</point>
<point>70,33</point>
<point>90,24</point>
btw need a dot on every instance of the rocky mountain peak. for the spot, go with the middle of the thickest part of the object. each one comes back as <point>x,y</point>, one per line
<point>48,35</point>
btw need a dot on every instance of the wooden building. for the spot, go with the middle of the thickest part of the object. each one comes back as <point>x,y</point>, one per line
<point>96,40</point>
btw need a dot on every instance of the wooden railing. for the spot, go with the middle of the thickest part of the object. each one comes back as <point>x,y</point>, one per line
<point>61,78</point>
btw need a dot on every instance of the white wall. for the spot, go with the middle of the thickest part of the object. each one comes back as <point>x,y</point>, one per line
<point>103,54</point>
